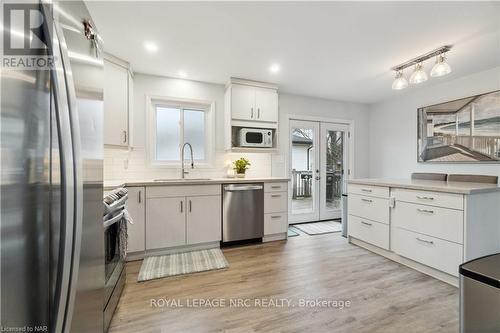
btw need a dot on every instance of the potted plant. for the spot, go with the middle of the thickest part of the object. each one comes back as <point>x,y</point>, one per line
<point>241,166</point>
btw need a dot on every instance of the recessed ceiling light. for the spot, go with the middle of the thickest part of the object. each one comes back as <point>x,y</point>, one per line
<point>150,46</point>
<point>182,74</point>
<point>275,68</point>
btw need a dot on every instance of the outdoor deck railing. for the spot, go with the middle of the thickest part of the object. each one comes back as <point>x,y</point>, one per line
<point>302,184</point>
<point>487,145</point>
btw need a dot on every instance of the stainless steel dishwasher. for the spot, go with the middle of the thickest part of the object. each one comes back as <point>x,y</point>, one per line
<point>242,212</point>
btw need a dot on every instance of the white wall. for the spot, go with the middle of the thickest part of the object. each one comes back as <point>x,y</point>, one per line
<point>393,127</point>
<point>122,164</point>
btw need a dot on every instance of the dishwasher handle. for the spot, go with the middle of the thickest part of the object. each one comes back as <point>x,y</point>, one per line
<point>246,187</point>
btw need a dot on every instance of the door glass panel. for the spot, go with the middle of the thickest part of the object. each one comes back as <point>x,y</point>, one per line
<point>334,160</point>
<point>302,160</point>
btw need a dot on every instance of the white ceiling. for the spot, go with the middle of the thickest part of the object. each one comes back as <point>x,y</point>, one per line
<point>335,50</point>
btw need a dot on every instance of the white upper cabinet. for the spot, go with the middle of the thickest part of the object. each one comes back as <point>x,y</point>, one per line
<point>117,103</point>
<point>253,103</point>
<point>266,102</point>
<point>242,102</point>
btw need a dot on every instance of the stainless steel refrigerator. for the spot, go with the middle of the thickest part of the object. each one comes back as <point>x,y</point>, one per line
<point>52,252</point>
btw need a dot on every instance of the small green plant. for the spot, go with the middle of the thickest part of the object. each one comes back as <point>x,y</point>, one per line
<point>241,165</point>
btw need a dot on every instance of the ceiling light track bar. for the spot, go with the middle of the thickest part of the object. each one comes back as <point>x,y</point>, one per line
<point>423,57</point>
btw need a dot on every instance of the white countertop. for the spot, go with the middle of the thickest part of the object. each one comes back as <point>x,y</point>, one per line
<point>429,185</point>
<point>108,185</point>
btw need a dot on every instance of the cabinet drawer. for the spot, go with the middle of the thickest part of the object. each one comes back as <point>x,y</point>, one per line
<point>182,190</point>
<point>275,202</point>
<point>375,209</point>
<point>448,200</point>
<point>434,252</point>
<point>439,222</point>
<point>375,191</point>
<point>369,231</point>
<point>275,223</point>
<point>276,187</point>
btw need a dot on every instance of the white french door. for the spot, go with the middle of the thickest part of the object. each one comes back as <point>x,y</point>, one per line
<point>304,169</point>
<point>334,149</point>
<point>318,163</point>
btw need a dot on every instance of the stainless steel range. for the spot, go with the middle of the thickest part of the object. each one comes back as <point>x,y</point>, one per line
<point>115,230</point>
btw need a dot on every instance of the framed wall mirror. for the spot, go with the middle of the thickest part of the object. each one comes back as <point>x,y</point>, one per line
<point>466,130</point>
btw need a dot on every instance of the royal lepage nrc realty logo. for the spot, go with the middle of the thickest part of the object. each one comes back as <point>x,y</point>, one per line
<point>24,44</point>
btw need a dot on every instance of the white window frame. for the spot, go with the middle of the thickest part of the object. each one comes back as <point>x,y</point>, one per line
<point>182,103</point>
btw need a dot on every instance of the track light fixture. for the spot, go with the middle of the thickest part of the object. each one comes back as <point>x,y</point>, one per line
<point>440,68</point>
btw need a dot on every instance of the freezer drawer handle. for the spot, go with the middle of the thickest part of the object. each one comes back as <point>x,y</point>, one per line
<point>366,223</point>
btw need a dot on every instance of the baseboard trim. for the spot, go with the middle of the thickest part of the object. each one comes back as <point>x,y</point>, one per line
<point>177,249</point>
<point>274,237</point>
<point>450,279</point>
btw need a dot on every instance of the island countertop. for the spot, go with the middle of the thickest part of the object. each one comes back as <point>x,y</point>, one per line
<point>109,185</point>
<point>429,185</point>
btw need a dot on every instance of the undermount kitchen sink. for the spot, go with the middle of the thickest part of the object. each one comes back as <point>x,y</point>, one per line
<point>179,179</point>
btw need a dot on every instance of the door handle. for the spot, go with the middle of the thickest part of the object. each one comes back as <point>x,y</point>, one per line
<point>190,206</point>
<point>139,197</point>
<point>251,113</point>
<point>124,136</point>
<point>182,206</point>
<point>258,113</point>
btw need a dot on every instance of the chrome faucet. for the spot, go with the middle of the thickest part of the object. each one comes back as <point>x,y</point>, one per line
<point>183,173</point>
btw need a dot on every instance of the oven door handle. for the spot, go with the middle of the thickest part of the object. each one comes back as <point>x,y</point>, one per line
<point>113,220</point>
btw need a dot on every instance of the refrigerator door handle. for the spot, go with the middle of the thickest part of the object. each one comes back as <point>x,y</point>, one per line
<point>77,172</point>
<point>62,285</point>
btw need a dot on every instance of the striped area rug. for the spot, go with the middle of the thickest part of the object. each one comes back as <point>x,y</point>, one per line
<point>181,263</point>
<point>318,228</point>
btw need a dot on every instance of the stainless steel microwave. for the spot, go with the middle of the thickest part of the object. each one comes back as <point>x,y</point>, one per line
<point>255,137</point>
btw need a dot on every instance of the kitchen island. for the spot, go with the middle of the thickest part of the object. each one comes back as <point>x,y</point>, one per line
<point>431,226</point>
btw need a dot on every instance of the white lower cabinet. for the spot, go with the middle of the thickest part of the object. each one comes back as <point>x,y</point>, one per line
<point>275,210</point>
<point>369,231</point>
<point>136,207</point>
<point>176,216</point>
<point>203,223</point>
<point>434,252</point>
<point>165,222</point>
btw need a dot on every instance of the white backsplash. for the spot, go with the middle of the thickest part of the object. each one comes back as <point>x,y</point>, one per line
<point>129,165</point>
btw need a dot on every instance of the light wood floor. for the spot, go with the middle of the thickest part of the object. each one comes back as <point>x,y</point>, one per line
<point>385,296</point>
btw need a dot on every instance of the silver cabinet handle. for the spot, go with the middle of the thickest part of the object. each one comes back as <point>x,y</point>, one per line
<point>182,206</point>
<point>276,217</point>
<point>366,223</point>
<point>275,195</point>
<point>366,190</point>
<point>258,113</point>
<point>190,206</point>
<point>275,186</point>
<point>139,197</point>
<point>367,200</point>
<point>425,211</point>
<point>251,113</point>
<point>425,241</point>
<point>124,136</point>
<point>424,198</point>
